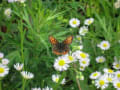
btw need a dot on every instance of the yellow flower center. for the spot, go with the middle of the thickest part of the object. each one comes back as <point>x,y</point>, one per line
<point>83,55</point>
<point>81,67</point>
<point>1,70</point>
<point>110,71</point>
<point>95,74</point>
<point>104,45</point>
<point>61,62</point>
<point>100,60</point>
<point>79,38</point>
<point>109,79</point>
<point>101,82</point>
<point>118,75</point>
<point>84,62</point>
<point>56,80</point>
<point>70,58</point>
<point>74,22</point>
<point>89,22</point>
<point>118,85</point>
<point>117,65</point>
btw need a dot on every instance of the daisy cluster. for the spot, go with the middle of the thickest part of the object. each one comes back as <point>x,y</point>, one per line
<point>108,77</point>
<point>74,22</point>
<point>25,74</point>
<point>46,88</point>
<point>4,70</point>
<point>20,1</point>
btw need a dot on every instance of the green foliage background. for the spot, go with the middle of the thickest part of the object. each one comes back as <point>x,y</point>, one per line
<point>26,38</point>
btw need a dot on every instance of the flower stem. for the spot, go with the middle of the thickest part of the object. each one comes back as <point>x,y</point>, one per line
<point>77,80</point>
<point>0,84</point>
<point>24,82</point>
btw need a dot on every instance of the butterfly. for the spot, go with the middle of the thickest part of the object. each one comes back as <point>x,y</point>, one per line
<point>60,48</point>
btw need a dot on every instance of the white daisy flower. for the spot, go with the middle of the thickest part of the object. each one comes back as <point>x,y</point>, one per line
<point>100,59</point>
<point>82,68</point>
<point>101,82</point>
<point>74,22</point>
<point>47,88</point>
<point>27,75</point>
<point>95,75</point>
<point>1,55</point>
<point>84,62</point>
<point>11,1</point>
<point>81,55</point>
<point>117,4</point>
<point>5,61</point>
<point>56,79</point>
<point>83,30</point>
<point>8,12</point>
<point>117,75</point>
<point>70,58</point>
<point>4,70</point>
<point>104,45</point>
<point>18,66</point>
<point>21,1</point>
<point>109,71</point>
<point>116,84</point>
<point>61,63</point>
<point>116,63</point>
<point>79,38</point>
<point>109,77</point>
<point>89,21</point>
<point>36,89</point>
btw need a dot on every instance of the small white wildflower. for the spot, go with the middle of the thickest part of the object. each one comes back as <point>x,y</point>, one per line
<point>81,55</point>
<point>21,1</point>
<point>79,38</point>
<point>101,83</point>
<point>116,84</point>
<point>11,1</point>
<point>95,75</point>
<point>47,88</point>
<point>104,45</point>
<point>27,75</point>
<point>61,63</point>
<point>83,30</point>
<point>36,88</point>
<point>56,79</point>
<point>100,59</point>
<point>117,4</point>
<point>8,12</point>
<point>82,68</point>
<point>89,21</point>
<point>4,70</point>
<point>74,22</point>
<point>84,62</point>
<point>18,66</point>
<point>109,71</point>
<point>5,61</point>
<point>117,75</point>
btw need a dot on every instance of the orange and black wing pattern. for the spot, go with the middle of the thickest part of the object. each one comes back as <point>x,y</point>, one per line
<point>68,40</point>
<point>60,48</point>
<point>53,41</point>
<point>60,53</point>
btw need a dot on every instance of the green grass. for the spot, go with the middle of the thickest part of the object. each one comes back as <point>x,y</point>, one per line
<point>31,24</point>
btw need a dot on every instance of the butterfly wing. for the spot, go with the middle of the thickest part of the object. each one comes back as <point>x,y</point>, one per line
<point>68,40</point>
<point>60,50</point>
<point>53,41</point>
